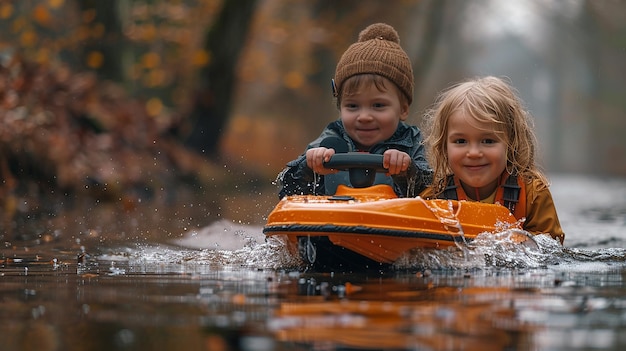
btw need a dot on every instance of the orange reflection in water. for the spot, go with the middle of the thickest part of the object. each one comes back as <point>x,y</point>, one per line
<point>377,316</point>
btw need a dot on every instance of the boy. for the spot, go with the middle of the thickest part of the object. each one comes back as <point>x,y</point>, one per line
<point>373,87</point>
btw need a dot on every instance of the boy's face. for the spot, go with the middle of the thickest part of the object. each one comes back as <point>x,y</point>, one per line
<point>371,116</point>
<point>476,154</point>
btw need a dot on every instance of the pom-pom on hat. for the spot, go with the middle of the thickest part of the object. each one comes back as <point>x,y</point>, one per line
<point>377,51</point>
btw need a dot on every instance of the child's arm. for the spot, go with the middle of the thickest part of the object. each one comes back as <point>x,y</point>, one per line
<point>298,178</point>
<point>396,161</point>
<point>316,157</point>
<point>295,179</point>
<point>422,177</point>
<point>541,216</point>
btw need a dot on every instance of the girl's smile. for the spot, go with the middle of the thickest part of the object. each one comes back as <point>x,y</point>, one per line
<point>476,154</point>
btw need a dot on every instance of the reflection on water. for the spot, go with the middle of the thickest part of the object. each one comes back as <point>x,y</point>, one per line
<point>223,287</point>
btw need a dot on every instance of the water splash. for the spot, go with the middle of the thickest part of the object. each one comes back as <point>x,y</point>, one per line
<point>501,249</point>
<point>446,215</point>
<point>507,249</point>
<point>225,243</point>
<point>270,254</point>
<point>317,178</point>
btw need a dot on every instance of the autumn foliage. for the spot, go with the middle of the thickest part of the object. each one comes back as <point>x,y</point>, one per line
<point>69,131</point>
<point>65,129</point>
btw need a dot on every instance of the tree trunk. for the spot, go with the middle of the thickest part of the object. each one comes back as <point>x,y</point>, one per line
<point>212,106</point>
<point>106,14</point>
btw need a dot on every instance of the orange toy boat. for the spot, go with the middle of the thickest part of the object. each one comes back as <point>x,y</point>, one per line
<point>369,226</point>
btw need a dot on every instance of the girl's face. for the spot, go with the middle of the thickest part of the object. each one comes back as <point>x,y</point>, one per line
<point>371,116</point>
<point>476,153</point>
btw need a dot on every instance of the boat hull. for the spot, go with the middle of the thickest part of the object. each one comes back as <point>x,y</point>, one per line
<point>374,223</point>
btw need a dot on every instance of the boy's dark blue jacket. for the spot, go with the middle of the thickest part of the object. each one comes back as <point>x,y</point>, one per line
<point>298,179</point>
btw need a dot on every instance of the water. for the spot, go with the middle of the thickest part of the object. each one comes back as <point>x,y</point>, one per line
<point>143,280</point>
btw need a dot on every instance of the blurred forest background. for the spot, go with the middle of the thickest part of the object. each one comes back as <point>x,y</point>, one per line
<point>125,99</point>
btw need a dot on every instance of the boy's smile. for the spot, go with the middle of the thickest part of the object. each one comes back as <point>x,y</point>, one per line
<point>371,116</point>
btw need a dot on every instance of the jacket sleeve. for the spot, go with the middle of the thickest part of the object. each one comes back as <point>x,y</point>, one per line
<point>414,184</point>
<point>424,176</point>
<point>297,178</point>
<point>541,216</point>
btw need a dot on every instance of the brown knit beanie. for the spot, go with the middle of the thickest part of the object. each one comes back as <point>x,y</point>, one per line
<point>377,51</point>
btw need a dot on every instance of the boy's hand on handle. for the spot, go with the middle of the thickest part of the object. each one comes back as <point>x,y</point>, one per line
<point>396,161</point>
<point>316,157</point>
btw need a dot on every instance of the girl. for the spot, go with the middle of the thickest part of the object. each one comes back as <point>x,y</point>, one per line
<point>373,86</point>
<point>482,148</point>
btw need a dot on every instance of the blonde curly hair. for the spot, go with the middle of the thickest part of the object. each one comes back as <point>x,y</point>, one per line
<point>487,99</point>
